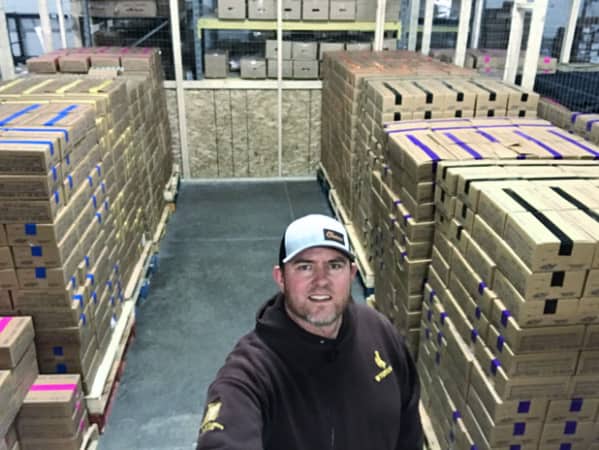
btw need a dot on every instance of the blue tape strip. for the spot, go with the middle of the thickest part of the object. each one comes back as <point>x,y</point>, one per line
<point>481,287</point>
<point>431,296</point>
<point>519,429</point>
<point>473,335</point>
<point>500,342</point>
<point>62,131</point>
<point>590,124</point>
<point>24,141</point>
<point>78,298</point>
<point>90,276</point>
<point>427,333</point>
<point>106,206</point>
<point>99,217</point>
<point>578,144</point>
<point>565,446</point>
<point>505,315</point>
<point>20,113</point>
<point>443,316</point>
<point>95,202</point>
<point>407,131</point>
<point>40,273</point>
<point>439,337</point>
<point>61,368</point>
<point>555,153</point>
<point>99,169</point>
<point>30,229</point>
<point>73,281</point>
<point>426,149</point>
<point>477,312</point>
<point>56,197</point>
<point>406,217</point>
<point>90,180</point>
<point>438,358</point>
<point>61,115</point>
<point>487,136</point>
<point>576,405</point>
<point>70,178</point>
<point>36,250</point>
<point>86,259</point>
<point>570,427</point>
<point>524,407</point>
<point>95,297</point>
<point>574,116</point>
<point>58,350</point>
<point>68,159</point>
<point>464,146</point>
<point>495,364</point>
<point>54,173</point>
<point>83,318</point>
<point>429,315</point>
<point>103,187</point>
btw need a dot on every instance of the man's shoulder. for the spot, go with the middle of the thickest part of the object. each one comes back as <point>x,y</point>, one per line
<point>250,355</point>
<point>366,313</point>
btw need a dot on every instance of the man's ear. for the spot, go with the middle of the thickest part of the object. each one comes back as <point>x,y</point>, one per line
<point>277,275</point>
<point>354,270</point>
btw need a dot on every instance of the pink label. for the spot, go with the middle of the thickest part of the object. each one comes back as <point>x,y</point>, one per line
<point>53,387</point>
<point>4,321</point>
<point>82,425</point>
<point>547,60</point>
<point>487,69</point>
<point>126,50</point>
<point>78,405</point>
<point>487,58</point>
<point>146,50</point>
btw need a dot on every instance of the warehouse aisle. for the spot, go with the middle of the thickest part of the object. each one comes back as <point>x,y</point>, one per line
<point>214,273</point>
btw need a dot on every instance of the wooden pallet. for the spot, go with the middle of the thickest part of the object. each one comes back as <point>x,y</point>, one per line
<point>90,439</point>
<point>105,386</point>
<point>430,437</point>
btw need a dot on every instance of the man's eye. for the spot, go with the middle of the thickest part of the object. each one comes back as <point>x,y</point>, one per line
<point>304,267</point>
<point>336,265</point>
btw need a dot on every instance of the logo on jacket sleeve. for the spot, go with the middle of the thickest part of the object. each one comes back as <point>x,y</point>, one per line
<point>209,422</point>
<point>385,367</point>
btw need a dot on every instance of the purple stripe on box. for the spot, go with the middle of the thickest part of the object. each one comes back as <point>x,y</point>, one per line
<point>555,153</point>
<point>576,143</point>
<point>464,146</point>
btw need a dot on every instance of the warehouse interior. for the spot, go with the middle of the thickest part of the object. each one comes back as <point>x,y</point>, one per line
<point>153,152</point>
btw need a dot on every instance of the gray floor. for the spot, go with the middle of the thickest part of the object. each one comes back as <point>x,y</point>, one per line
<point>214,273</point>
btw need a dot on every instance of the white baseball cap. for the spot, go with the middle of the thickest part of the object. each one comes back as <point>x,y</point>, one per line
<point>313,230</point>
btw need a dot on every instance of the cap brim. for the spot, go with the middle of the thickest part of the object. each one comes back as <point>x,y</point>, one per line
<point>332,245</point>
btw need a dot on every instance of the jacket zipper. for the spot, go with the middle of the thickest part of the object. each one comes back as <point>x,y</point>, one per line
<point>332,438</point>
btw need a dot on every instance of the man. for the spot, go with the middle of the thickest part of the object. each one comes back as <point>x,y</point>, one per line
<point>319,371</point>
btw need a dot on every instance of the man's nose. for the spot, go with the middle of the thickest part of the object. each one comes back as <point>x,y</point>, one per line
<point>321,274</point>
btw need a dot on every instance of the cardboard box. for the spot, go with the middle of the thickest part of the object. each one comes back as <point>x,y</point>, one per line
<point>304,51</point>
<point>305,69</point>
<point>272,51</point>
<point>262,9</point>
<point>570,432</point>
<point>29,156</point>
<point>16,335</point>
<point>216,64</point>
<point>584,386</point>
<point>581,410</point>
<point>6,260</point>
<point>343,10</point>
<point>292,9</point>
<point>538,285</point>
<point>315,9</point>
<point>523,340</point>
<point>53,395</point>
<point>253,68</point>
<point>591,337</point>
<point>329,47</point>
<point>231,9</point>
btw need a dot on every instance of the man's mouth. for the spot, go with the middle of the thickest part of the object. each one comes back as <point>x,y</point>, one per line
<point>320,298</point>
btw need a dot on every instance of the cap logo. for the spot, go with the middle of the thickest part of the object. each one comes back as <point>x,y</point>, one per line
<point>332,235</point>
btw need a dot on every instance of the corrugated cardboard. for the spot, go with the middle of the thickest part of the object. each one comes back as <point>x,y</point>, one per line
<point>571,432</point>
<point>6,260</point>
<point>581,410</point>
<point>16,335</point>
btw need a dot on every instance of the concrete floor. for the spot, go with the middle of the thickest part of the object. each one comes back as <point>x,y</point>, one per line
<point>214,273</point>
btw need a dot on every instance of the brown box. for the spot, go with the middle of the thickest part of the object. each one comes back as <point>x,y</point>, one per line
<point>31,186</point>
<point>29,156</point>
<point>577,434</point>
<point>582,410</point>
<point>6,261</point>
<point>55,395</point>
<point>16,335</point>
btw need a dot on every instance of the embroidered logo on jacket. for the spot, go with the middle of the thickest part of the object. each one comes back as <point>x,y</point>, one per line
<point>209,422</point>
<point>386,369</point>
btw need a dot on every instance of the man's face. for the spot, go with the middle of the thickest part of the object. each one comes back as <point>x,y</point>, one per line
<point>317,288</point>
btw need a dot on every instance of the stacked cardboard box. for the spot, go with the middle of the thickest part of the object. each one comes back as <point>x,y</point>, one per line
<point>18,370</point>
<point>585,125</point>
<point>507,354</point>
<point>53,415</point>
<point>76,223</point>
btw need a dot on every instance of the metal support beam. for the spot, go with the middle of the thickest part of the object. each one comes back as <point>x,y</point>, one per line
<point>463,27</point>
<point>413,28</point>
<point>46,26</point>
<point>379,29</point>
<point>7,68</point>
<point>428,27</point>
<point>533,49</point>
<point>569,33</point>
<point>280,85</point>
<point>478,17</point>
<point>63,32</point>
<point>176,35</point>
<point>515,41</point>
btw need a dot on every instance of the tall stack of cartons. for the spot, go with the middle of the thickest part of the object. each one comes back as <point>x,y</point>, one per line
<point>53,415</point>
<point>508,351</point>
<point>586,125</point>
<point>18,370</point>
<point>51,197</point>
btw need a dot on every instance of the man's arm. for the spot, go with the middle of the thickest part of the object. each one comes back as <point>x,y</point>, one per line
<point>411,436</point>
<point>232,418</point>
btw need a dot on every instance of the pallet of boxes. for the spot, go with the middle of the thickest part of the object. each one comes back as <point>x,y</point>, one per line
<point>81,179</point>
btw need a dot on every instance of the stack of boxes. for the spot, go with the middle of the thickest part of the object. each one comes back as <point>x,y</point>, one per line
<point>509,351</point>
<point>315,10</point>
<point>585,125</point>
<point>53,415</point>
<point>85,162</point>
<point>305,60</point>
<point>18,370</point>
